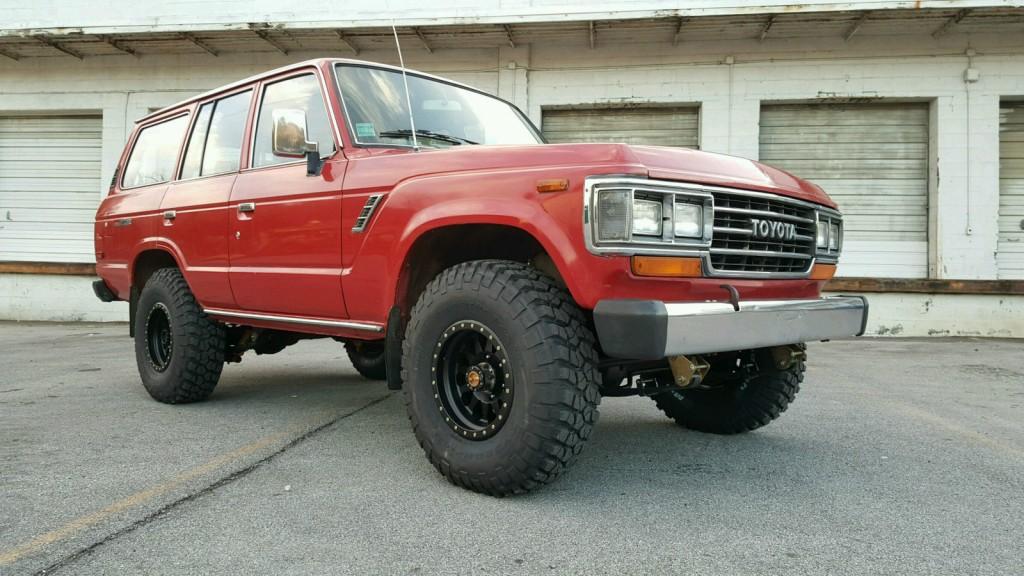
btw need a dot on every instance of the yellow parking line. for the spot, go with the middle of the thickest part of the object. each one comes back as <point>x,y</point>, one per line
<point>9,556</point>
<point>955,427</point>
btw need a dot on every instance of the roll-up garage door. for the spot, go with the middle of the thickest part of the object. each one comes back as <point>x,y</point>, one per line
<point>650,125</point>
<point>873,160</point>
<point>49,187</point>
<point>1010,255</point>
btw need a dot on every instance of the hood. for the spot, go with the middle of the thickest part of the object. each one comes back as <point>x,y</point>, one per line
<point>686,165</point>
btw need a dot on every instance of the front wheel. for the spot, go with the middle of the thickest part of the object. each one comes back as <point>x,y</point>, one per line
<point>500,377</point>
<point>739,399</point>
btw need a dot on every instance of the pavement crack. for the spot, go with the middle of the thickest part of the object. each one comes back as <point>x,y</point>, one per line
<point>208,489</point>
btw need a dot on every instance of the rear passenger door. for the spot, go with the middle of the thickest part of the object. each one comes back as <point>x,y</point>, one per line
<point>195,208</point>
<point>285,226</point>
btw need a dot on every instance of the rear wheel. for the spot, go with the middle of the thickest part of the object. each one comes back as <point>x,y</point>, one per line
<point>179,351</point>
<point>500,377</point>
<point>368,359</point>
<point>747,391</point>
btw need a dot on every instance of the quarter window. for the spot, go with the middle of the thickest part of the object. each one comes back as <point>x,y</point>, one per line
<point>155,153</point>
<point>299,93</point>
<point>216,143</point>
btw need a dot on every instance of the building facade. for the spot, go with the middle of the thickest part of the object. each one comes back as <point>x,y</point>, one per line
<point>910,114</point>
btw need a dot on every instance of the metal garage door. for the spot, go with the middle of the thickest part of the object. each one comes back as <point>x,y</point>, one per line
<point>49,187</point>
<point>873,160</point>
<point>1010,255</point>
<point>652,125</point>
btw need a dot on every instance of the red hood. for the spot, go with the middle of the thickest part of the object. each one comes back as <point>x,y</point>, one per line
<point>687,165</point>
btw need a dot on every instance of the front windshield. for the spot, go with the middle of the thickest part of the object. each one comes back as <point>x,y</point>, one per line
<point>445,115</point>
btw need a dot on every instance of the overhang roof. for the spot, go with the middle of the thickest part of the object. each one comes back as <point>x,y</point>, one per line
<point>292,38</point>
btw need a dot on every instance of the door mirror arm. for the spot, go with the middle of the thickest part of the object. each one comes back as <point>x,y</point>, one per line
<point>314,163</point>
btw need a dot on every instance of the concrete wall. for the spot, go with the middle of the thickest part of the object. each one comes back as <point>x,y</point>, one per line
<point>729,80</point>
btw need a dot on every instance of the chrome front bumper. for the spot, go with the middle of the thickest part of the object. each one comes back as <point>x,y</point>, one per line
<point>650,329</point>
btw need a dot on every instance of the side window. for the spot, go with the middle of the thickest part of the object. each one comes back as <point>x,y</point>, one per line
<point>299,93</point>
<point>153,158</point>
<point>193,164</point>
<point>216,143</point>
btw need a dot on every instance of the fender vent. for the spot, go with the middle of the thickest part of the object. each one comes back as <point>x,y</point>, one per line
<point>367,212</point>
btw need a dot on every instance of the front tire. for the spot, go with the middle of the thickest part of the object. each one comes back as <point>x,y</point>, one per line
<point>740,403</point>
<point>178,349</point>
<point>500,377</point>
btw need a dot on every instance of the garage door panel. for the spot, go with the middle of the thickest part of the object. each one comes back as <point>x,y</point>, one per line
<point>1010,248</point>
<point>655,125</point>
<point>873,160</point>
<point>50,171</point>
<point>849,151</point>
<point>846,135</point>
<point>847,115</point>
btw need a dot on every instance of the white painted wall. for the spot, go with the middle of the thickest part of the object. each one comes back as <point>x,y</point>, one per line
<point>964,170</point>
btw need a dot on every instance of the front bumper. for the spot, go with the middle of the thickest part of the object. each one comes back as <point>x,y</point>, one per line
<point>650,329</point>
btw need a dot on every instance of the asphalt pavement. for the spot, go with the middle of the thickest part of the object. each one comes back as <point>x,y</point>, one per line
<point>898,457</point>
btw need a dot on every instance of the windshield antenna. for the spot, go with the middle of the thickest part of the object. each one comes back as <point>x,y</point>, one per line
<point>405,80</point>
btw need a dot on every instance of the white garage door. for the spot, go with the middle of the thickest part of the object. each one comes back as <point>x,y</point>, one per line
<point>873,160</point>
<point>49,187</point>
<point>1010,255</point>
<point>651,125</point>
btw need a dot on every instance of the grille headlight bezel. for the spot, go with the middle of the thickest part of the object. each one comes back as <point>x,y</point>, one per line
<point>828,243</point>
<point>602,238</point>
<point>671,244</point>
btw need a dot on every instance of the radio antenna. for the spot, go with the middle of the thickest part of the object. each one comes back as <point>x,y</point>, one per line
<point>405,80</point>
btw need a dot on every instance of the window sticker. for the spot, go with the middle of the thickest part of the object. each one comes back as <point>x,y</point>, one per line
<point>365,130</point>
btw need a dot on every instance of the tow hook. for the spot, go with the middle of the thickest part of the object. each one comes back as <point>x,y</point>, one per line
<point>688,372</point>
<point>786,356</point>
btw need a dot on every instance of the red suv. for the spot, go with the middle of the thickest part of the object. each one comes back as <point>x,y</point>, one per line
<point>503,284</point>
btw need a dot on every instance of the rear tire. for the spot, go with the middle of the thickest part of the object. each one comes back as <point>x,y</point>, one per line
<point>178,349</point>
<point>368,359</point>
<point>500,376</point>
<point>739,405</point>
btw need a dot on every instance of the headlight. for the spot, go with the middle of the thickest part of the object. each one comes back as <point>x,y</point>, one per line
<point>647,217</point>
<point>688,220</point>
<point>654,217</point>
<point>829,237</point>
<point>613,215</point>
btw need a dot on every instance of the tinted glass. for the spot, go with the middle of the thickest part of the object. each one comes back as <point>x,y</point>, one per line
<point>378,114</point>
<point>299,93</point>
<point>155,153</point>
<point>194,154</point>
<point>224,140</point>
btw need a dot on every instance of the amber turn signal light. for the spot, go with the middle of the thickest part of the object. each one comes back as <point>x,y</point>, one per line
<point>823,271</point>
<point>553,185</point>
<point>667,267</point>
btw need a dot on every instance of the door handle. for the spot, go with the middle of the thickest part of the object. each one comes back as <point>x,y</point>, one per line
<point>247,207</point>
<point>170,214</point>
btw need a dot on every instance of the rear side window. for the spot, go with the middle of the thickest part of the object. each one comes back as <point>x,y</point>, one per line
<point>153,158</point>
<point>298,93</point>
<point>216,143</point>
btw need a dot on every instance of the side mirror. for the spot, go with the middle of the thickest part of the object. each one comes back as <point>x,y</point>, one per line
<point>289,139</point>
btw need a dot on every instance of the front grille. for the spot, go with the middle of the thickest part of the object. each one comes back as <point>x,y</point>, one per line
<point>734,248</point>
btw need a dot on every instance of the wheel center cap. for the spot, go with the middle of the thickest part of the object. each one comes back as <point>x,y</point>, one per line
<point>474,379</point>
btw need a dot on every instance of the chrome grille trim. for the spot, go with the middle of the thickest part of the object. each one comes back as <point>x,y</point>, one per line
<point>732,252</point>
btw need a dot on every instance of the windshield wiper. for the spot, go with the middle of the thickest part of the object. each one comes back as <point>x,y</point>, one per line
<point>432,135</point>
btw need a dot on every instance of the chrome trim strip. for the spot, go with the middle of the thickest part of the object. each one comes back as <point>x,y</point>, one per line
<point>295,320</point>
<point>740,252</point>
<point>765,213</point>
